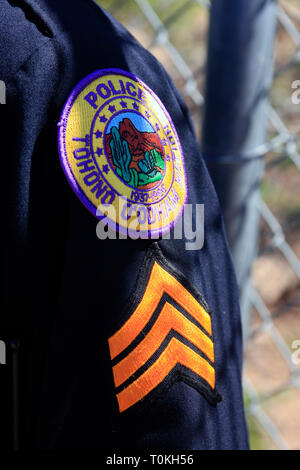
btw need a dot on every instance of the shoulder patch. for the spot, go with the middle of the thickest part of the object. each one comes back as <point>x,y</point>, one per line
<point>119,148</point>
<point>167,337</point>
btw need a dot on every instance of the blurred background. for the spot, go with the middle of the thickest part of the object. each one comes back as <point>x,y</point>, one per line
<point>236,65</point>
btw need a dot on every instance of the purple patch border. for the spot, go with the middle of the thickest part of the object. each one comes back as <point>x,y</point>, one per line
<point>64,158</point>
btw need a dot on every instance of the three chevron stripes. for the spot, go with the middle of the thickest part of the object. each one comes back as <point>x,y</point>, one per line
<point>167,338</point>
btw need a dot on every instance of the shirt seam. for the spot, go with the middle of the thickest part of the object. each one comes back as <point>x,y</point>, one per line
<point>31,55</point>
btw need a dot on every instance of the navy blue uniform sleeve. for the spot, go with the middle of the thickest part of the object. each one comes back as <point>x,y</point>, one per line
<point>66,292</point>
<point>34,71</point>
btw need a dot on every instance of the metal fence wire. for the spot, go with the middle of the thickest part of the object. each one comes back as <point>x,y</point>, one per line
<point>175,31</point>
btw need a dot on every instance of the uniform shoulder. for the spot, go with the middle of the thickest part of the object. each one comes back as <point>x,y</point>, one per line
<point>23,30</point>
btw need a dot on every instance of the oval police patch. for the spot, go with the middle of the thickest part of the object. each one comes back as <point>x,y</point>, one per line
<point>121,154</point>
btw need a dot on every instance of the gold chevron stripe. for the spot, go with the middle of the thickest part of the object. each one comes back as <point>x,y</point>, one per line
<point>169,318</point>
<point>175,352</point>
<point>160,281</point>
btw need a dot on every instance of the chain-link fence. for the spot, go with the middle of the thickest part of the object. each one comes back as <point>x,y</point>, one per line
<point>175,31</point>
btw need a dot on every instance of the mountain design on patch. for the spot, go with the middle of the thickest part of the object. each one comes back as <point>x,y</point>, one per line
<point>136,156</point>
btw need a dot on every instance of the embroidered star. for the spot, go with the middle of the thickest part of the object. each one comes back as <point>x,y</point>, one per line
<point>103,118</point>
<point>147,114</point>
<point>135,106</point>
<point>105,169</point>
<point>112,109</point>
<point>123,104</point>
<point>164,142</point>
<point>157,127</point>
<point>98,134</point>
<point>99,152</point>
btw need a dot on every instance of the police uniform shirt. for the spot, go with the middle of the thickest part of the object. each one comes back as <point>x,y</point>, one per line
<point>80,305</point>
